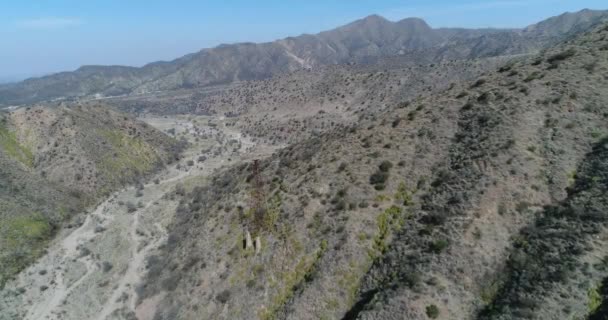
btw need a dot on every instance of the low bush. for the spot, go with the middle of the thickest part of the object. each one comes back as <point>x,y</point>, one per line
<point>479,83</point>
<point>432,311</point>
<point>561,56</point>
<point>385,166</point>
<point>438,246</point>
<point>378,177</point>
<point>396,122</point>
<point>223,296</point>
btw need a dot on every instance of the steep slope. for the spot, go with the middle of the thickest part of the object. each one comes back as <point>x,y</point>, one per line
<point>30,207</point>
<point>361,41</point>
<point>56,162</point>
<point>480,199</point>
<point>413,214</point>
<point>562,249</point>
<point>91,148</point>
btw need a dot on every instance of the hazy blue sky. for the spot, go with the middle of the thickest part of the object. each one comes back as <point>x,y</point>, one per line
<point>42,36</point>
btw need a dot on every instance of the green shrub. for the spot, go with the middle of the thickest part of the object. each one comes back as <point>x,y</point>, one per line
<point>403,194</point>
<point>396,122</point>
<point>378,177</point>
<point>505,68</point>
<point>595,300</point>
<point>340,205</point>
<point>411,115</point>
<point>432,311</point>
<point>484,97</point>
<point>534,76</point>
<point>462,95</point>
<point>561,56</point>
<point>223,296</point>
<point>385,166</point>
<point>379,187</point>
<point>434,219</point>
<point>467,106</point>
<point>438,246</point>
<point>479,83</point>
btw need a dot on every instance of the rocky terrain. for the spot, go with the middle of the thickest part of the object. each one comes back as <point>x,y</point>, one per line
<point>309,102</point>
<point>365,40</point>
<point>430,174</point>
<point>92,271</point>
<point>485,201</point>
<point>56,162</point>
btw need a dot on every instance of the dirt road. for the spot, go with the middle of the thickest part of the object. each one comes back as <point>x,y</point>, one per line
<point>92,271</point>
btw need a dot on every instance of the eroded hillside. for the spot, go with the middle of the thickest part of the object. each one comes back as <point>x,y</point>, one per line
<point>55,162</point>
<point>432,210</point>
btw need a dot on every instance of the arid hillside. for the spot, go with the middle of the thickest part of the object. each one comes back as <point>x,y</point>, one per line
<point>298,105</point>
<point>380,170</point>
<point>55,162</point>
<point>484,201</point>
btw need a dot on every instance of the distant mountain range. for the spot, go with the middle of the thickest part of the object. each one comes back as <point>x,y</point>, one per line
<point>361,41</point>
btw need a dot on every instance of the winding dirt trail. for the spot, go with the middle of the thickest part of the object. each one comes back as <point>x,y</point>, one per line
<point>67,252</point>
<point>68,249</point>
<point>136,266</point>
<point>92,271</point>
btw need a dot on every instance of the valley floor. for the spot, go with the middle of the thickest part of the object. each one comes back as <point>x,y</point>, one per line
<point>93,268</point>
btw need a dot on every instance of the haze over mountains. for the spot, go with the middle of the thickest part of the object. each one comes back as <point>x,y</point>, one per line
<point>362,41</point>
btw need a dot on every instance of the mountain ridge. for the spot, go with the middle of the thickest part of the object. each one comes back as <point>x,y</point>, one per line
<point>364,39</point>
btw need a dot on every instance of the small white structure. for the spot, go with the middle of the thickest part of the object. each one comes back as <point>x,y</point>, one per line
<point>257,245</point>
<point>248,241</point>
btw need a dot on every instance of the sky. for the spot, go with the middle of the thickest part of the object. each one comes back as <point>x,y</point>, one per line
<point>38,37</point>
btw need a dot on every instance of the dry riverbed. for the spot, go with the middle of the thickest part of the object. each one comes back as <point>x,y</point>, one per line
<point>92,270</point>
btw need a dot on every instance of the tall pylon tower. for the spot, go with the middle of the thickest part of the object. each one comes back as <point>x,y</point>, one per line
<point>257,205</point>
<point>258,198</point>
